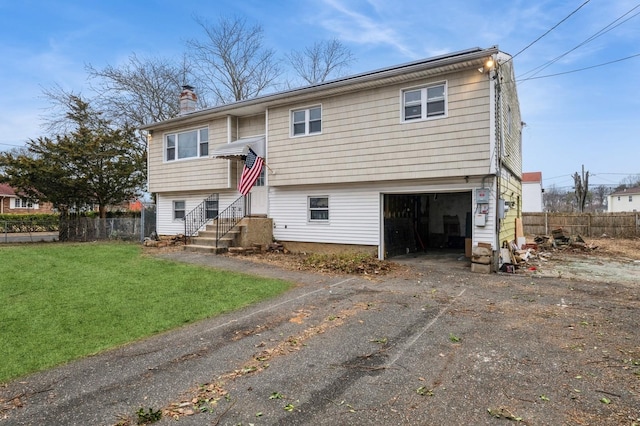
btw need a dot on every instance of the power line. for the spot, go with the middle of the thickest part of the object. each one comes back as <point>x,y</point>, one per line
<point>599,33</point>
<point>581,69</point>
<point>551,29</point>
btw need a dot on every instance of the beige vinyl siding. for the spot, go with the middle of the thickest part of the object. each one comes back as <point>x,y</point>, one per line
<point>511,107</point>
<point>166,225</point>
<point>363,138</point>
<point>189,174</point>
<point>251,126</point>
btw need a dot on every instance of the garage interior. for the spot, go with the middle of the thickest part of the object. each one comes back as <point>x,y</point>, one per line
<point>426,223</point>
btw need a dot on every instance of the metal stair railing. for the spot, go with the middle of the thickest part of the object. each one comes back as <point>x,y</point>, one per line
<point>229,218</point>
<point>198,217</point>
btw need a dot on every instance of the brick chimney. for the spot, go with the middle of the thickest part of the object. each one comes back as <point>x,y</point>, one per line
<point>187,100</point>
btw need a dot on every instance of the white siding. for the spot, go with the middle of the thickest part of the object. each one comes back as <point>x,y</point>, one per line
<point>531,197</point>
<point>620,202</point>
<point>355,211</point>
<point>166,225</point>
<point>354,216</point>
<point>486,233</point>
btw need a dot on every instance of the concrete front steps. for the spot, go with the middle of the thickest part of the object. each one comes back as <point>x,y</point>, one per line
<point>205,242</point>
<point>249,233</point>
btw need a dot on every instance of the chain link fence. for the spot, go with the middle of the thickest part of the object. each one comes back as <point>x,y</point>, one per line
<point>81,228</point>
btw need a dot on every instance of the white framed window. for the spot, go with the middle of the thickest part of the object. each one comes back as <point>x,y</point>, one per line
<point>179,209</point>
<point>424,102</point>
<point>22,203</point>
<point>318,209</point>
<point>306,121</point>
<point>630,198</point>
<point>189,144</point>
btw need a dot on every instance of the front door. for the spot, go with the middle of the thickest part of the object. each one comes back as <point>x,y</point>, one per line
<point>259,196</point>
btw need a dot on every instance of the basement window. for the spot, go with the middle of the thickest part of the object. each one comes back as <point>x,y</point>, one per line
<point>179,209</point>
<point>318,209</point>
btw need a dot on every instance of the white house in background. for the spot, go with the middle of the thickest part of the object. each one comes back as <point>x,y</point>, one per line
<point>532,191</point>
<point>421,155</point>
<point>625,200</point>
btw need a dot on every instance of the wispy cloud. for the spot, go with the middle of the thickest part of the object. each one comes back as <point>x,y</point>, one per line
<point>356,27</point>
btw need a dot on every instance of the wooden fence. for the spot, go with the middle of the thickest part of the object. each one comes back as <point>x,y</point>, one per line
<point>586,224</point>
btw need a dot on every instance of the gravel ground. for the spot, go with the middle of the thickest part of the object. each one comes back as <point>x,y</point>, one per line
<point>428,343</point>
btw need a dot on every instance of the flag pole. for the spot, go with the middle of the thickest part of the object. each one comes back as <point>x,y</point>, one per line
<point>267,166</point>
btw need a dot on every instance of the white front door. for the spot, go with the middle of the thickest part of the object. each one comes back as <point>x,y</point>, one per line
<point>259,200</point>
<point>259,195</point>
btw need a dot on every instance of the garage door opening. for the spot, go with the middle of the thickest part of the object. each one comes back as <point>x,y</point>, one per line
<point>429,222</point>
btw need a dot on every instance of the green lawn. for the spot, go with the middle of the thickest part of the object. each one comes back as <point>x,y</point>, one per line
<point>59,302</point>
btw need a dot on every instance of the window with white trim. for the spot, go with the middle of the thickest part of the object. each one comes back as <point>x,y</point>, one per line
<point>306,121</point>
<point>318,209</point>
<point>191,144</point>
<point>22,203</point>
<point>179,209</point>
<point>425,102</point>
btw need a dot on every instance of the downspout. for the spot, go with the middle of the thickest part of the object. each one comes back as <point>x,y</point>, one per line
<point>499,147</point>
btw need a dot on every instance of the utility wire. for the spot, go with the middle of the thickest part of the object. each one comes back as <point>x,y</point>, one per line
<point>551,29</point>
<point>603,31</point>
<point>581,69</point>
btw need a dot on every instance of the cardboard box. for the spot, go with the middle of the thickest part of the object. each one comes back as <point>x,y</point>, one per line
<point>482,269</point>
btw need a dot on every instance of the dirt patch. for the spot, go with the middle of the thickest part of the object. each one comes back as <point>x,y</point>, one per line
<point>602,260</point>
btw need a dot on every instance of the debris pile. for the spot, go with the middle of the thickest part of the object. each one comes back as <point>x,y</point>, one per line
<point>530,255</point>
<point>560,239</point>
<point>165,240</point>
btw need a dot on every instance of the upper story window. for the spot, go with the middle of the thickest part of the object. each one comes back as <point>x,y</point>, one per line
<point>191,144</point>
<point>425,102</point>
<point>306,121</point>
<point>630,198</point>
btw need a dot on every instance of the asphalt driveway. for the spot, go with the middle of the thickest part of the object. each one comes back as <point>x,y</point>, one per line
<point>431,343</point>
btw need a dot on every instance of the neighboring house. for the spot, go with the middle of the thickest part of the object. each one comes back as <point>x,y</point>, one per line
<point>625,200</point>
<point>415,156</point>
<point>12,203</point>
<point>532,192</point>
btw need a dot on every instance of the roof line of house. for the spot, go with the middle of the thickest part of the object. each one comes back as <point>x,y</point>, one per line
<point>433,62</point>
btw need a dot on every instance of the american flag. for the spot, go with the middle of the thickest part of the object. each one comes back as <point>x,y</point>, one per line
<point>250,172</point>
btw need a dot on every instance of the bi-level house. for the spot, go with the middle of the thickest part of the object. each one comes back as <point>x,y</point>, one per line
<point>418,156</point>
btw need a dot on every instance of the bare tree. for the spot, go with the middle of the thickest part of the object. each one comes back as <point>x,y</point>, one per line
<point>556,200</point>
<point>630,181</point>
<point>55,120</point>
<point>232,62</point>
<point>320,61</point>
<point>600,193</point>
<point>581,188</point>
<point>141,91</point>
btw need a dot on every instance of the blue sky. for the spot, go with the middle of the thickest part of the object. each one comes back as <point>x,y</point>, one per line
<point>589,117</point>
